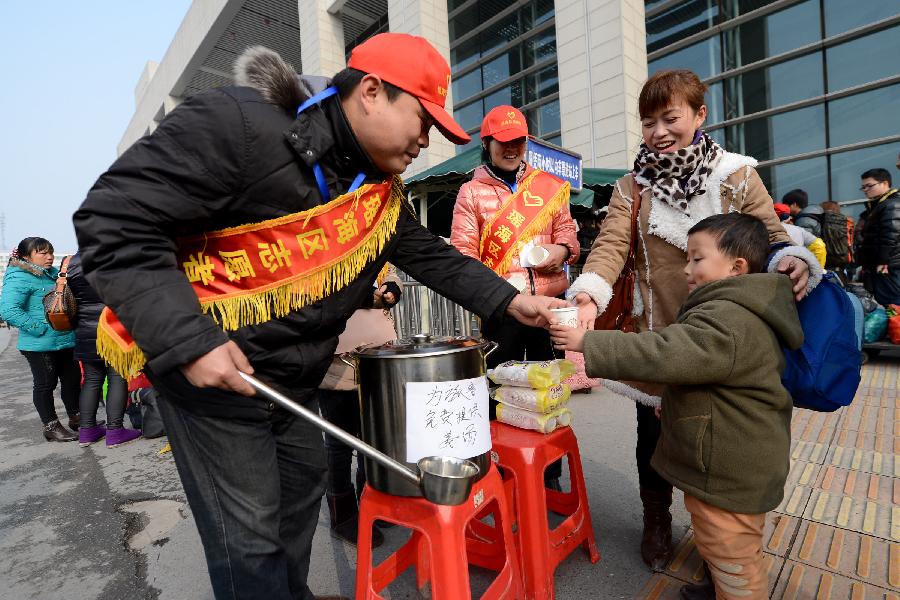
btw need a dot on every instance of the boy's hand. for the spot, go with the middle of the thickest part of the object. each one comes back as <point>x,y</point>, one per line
<point>567,338</point>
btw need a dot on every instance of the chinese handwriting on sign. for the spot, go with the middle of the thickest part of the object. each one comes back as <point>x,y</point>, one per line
<point>447,418</point>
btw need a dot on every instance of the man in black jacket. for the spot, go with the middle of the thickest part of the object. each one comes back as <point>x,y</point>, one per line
<point>254,474</point>
<point>879,241</point>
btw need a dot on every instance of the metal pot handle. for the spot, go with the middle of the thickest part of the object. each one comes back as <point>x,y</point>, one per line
<point>490,347</point>
<point>347,359</point>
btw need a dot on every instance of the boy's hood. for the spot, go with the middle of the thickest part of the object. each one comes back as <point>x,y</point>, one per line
<point>767,295</point>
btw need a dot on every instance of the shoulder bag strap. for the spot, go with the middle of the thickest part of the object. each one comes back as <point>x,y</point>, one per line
<point>61,277</point>
<point>635,216</point>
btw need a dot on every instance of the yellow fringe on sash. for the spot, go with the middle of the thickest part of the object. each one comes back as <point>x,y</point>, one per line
<point>537,225</point>
<point>260,307</point>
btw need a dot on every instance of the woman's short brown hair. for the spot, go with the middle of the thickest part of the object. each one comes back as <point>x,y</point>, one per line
<point>666,87</point>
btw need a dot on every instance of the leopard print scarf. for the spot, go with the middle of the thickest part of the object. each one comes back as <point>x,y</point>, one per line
<point>677,178</point>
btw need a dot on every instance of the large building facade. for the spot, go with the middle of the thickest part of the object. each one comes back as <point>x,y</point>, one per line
<point>810,88</point>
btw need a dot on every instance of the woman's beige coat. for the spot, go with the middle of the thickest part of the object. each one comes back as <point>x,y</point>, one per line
<point>661,252</point>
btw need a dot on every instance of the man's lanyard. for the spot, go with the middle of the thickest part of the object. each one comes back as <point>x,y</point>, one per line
<point>317,170</point>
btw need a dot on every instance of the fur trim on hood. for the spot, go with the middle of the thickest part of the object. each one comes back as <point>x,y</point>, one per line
<point>28,267</point>
<point>264,70</point>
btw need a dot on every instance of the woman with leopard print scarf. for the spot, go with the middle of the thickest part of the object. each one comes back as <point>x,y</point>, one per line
<point>682,176</point>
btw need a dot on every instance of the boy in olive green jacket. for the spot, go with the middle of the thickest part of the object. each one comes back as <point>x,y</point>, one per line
<point>725,415</point>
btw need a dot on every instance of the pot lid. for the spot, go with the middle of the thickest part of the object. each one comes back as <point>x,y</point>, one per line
<point>421,344</point>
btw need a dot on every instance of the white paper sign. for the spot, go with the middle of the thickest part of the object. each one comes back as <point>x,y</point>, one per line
<point>447,418</point>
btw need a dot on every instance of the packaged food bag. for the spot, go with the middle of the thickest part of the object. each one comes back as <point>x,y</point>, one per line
<point>526,419</point>
<point>875,325</point>
<point>539,375</point>
<point>542,401</point>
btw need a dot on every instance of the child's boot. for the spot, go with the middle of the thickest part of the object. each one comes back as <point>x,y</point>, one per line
<point>656,541</point>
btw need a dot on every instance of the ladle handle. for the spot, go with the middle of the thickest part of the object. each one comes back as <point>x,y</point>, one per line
<point>351,440</point>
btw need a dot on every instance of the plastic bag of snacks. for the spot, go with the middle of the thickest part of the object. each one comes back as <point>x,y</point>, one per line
<point>536,374</point>
<point>542,401</point>
<point>526,419</point>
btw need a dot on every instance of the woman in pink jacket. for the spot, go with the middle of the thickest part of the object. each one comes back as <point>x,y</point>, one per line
<point>506,205</point>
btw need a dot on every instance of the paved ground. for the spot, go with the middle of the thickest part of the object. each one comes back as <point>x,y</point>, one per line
<point>84,523</point>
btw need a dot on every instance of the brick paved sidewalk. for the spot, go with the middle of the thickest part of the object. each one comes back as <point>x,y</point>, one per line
<point>836,534</point>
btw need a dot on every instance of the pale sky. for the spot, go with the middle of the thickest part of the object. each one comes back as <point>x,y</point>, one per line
<point>70,69</point>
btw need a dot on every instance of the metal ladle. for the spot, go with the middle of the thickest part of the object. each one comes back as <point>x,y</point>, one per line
<point>442,479</point>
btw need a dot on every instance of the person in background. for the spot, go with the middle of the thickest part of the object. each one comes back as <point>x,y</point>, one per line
<point>494,203</point>
<point>802,214</point>
<point>725,438</point>
<point>682,176</point>
<point>95,370</point>
<point>29,277</point>
<point>339,404</point>
<point>800,236</point>
<point>879,241</point>
<point>589,228</point>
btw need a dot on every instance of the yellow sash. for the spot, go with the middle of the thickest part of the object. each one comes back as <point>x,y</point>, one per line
<point>253,273</point>
<point>525,214</point>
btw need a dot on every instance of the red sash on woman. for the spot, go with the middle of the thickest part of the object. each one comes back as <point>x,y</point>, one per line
<point>525,214</point>
<point>253,273</point>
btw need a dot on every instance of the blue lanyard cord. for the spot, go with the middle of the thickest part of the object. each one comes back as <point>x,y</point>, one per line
<point>317,170</point>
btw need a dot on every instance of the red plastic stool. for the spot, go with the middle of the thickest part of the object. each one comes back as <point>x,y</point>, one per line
<point>438,546</point>
<point>524,456</point>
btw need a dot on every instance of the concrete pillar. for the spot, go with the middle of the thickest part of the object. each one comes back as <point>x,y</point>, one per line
<point>602,53</point>
<point>427,18</point>
<point>321,38</point>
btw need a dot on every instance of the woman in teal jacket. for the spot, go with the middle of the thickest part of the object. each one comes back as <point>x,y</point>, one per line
<point>29,277</point>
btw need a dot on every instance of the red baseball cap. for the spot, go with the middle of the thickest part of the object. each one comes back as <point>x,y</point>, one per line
<point>782,210</point>
<point>504,123</point>
<point>413,65</point>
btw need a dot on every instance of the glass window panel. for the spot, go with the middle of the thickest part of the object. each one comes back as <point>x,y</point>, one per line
<point>808,175</point>
<point>780,84</point>
<point>464,22</point>
<point>548,117</point>
<point>465,54</point>
<point>501,32</point>
<point>496,70</point>
<point>772,34</point>
<point>501,96</point>
<point>844,15</point>
<point>466,86</point>
<point>539,47</point>
<point>488,9</point>
<point>864,116</point>
<point>556,140</point>
<point>864,59</point>
<point>454,4</point>
<point>543,11</point>
<point>781,135</point>
<point>469,116</point>
<point>687,18</point>
<point>846,167</point>
<point>476,141</point>
<point>714,104</point>
<point>703,58</point>
<point>547,81</point>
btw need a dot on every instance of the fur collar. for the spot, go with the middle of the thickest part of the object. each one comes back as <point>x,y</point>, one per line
<point>29,267</point>
<point>672,225</point>
<point>264,70</point>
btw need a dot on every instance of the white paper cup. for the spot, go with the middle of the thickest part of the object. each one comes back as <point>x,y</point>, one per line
<point>537,255</point>
<point>566,316</point>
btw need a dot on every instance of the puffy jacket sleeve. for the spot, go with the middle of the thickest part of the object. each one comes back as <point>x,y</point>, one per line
<point>176,179</point>
<point>889,234</point>
<point>669,356</point>
<point>564,233</point>
<point>465,232</point>
<point>609,252</point>
<point>438,265</point>
<point>14,301</point>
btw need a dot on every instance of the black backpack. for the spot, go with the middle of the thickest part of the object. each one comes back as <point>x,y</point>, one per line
<point>835,230</point>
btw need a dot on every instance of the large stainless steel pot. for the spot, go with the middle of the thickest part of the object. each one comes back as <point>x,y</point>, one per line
<point>382,372</point>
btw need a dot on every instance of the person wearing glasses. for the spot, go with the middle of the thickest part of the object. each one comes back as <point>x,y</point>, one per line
<point>29,277</point>
<point>879,239</point>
